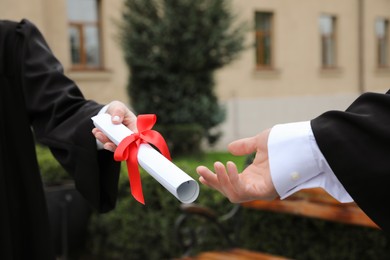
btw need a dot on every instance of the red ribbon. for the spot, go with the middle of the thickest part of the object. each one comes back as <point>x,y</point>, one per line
<point>128,150</point>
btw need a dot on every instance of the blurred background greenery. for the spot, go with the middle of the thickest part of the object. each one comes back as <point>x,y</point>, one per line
<point>172,50</point>
<point>134,231</point>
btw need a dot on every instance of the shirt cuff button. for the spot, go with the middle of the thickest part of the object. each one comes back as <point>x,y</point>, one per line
<point>295,176</point>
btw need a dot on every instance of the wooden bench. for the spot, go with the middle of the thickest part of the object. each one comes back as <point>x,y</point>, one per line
<point>313,203</point>
<point>316,203</point>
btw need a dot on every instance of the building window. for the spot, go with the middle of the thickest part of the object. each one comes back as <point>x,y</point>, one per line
<point>382,36</point>
<point>84,33</point>
<point>328,41</point>
<point>263,34</point>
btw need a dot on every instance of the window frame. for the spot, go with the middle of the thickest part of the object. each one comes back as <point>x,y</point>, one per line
<point>383,42</point>
<point>329,49</point>
<point>262,34</point>
<point>80,27</point>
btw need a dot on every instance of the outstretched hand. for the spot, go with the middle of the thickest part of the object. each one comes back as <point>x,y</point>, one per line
<point>120,114</point>
<point>253,183</point>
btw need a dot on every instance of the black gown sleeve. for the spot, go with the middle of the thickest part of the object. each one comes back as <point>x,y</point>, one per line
<point>356,144</point>
<point>61,119</point>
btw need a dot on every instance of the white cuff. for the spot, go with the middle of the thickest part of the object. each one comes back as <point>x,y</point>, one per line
<point>297,163</point>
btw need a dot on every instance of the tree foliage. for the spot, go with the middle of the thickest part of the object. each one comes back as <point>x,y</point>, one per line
<point>172,48</point>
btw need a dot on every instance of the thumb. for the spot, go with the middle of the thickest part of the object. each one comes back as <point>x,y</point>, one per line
<point>117,112</point>
<point>121,114</point>
<point>243,146</point>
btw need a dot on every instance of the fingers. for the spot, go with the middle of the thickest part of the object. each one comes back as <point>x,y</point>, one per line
<point>233,176</point>
<point>110,146</point>
<point>100,136</point>
<point>208,178</point>
<point>230,181</point>
<point>130,121</point>
<point>225,180</point>
<point>107,144</point>
<point>121,114</point>
<point>117,110</point>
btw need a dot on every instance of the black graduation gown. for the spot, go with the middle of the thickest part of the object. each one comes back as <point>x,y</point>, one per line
<point>38,102</point>
<point>356,144</point>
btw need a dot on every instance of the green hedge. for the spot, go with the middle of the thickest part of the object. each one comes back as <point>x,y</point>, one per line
<point>134,231</point>
<point>51,171</point>
<point>306,238</point>
<point>182,139</point>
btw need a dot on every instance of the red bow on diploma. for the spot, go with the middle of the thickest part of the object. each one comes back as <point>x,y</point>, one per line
<point>128,150</point>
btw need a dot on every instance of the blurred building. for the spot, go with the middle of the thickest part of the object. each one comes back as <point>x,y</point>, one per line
<point>83,36</point>
<point>305,56</point>
<point>309,56</point>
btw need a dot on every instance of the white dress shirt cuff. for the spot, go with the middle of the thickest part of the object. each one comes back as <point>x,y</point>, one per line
<point>297,163</point>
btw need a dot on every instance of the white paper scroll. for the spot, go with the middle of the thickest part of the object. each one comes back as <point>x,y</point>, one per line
<point>176,181</point>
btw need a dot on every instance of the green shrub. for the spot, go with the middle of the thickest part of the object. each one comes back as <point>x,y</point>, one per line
<point>182,139</point>
<point>299,237</point>
<point>51,171</point>
<point>172,49</point>
<point>134,231</point>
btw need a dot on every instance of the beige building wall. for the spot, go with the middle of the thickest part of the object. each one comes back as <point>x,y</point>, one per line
<point>51,18</point>
<point>377,80</point>
<point>297,52</point>
<point>110,84</point>
<point>296,89</point>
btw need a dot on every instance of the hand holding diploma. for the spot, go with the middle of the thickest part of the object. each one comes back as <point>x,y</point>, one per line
<point>253,183</point>
<point>120,114</point>
<point>134,146</point>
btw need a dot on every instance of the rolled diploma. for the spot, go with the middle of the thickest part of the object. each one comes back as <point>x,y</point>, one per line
<point>176,181</point>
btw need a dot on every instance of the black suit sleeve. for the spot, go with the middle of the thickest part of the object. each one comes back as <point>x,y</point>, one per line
<point>356,144</point>
<point>60,117</point>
